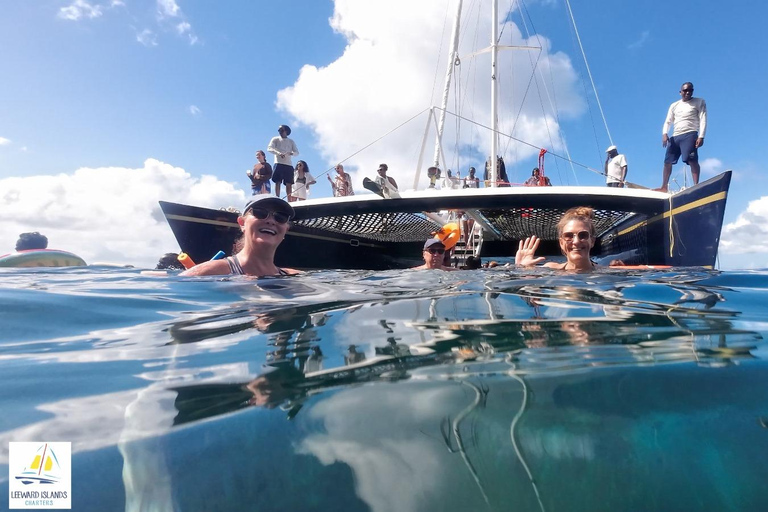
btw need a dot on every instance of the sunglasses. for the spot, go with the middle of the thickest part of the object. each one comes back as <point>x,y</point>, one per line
<point>581,235</point>
<point>436,251</point>
<point>263,213</point>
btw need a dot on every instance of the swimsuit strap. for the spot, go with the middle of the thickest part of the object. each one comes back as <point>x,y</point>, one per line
<point>234,266</point>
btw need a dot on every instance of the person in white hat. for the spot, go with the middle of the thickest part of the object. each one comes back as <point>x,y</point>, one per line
<point>615,168</point>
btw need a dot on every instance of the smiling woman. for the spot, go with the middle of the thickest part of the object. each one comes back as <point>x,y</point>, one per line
<point>264,223</point>
<point>576,235</point>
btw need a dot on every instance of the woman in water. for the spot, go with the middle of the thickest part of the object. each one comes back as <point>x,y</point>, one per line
<point>576,233</point>
<point>264,223</point>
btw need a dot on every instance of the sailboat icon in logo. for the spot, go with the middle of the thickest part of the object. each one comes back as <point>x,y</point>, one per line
<point>44,469</point>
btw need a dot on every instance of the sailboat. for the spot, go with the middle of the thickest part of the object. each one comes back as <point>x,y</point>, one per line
<point>635,225</point>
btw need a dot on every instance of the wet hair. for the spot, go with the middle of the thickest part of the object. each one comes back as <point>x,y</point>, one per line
<point>169,261</point>
<point>30,241</point>
<point>472,263</point>
<point>584,214</point>
<point>306,167</point>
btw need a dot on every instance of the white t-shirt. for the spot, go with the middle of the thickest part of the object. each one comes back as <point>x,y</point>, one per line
<point>687,116</point>
<point>613,172</point>
<point>285,146</point>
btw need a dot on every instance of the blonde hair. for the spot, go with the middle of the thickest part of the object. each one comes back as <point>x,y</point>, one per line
<point>584,214</point>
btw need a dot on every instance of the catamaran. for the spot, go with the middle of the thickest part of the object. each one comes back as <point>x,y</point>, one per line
<point>635,225</point>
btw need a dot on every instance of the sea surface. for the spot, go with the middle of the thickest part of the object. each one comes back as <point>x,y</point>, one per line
<point>393,391</point>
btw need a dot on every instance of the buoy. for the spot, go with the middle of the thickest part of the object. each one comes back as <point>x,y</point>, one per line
<point>41,258</point>
<point>449,234</point>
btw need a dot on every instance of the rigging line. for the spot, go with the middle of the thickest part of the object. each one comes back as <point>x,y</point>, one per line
<point>439,54</point>
<point>498,132</point>
<point>552,102</point>
<point>375,141</point>
<point>589,72</point>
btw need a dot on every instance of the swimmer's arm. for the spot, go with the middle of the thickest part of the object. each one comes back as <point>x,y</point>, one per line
<point>209,268</point>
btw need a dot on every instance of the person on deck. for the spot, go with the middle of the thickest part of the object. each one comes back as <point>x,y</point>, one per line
<point>471,181</point>
<point>689,117</point>
<point>387,184</point>
<point>433,173</point>
<point>342,183</point>
<point>260,175</point>
<point>501,173</point>
<point>302,180</point>
<point>434,254</point>
<point>264,223</point>
<point>537,180</point>
<point>31,241</point>
<point>615,168</point>
<point>283,148</point>
<point>576,234</point>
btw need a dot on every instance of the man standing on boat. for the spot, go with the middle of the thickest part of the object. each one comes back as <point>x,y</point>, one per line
<point>615,168</point>
<point>689,117</point>
<point>283,148</point>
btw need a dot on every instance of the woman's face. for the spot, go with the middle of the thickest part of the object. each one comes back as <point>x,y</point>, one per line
<point>263,230</point>
<point>576,242</point>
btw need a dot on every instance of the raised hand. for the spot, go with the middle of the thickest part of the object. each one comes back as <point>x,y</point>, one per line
<point>526,251</point>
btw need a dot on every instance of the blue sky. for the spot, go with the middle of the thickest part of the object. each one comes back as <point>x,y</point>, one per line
<point>108,106</point>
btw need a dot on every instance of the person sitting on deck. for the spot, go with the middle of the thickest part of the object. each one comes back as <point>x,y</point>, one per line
<point>264,223</point>
<point>31,241</point>
<point>434,254</point>
<point>387,185</point>
<point>471,181</point>
<point>537,180</point>
<point>576,234</point>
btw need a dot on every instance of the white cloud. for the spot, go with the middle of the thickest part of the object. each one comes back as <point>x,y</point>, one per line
<point>640,42</point>
<point>109,213</point>
<point>147,37</point>
<point>749,232</point>
<point>4,141</point>
<point>168,9</point>
<point>386,74</point>
<point>711,166</point>
<point>80,9</point>
<point>194,110</point>
<point>185,28</point>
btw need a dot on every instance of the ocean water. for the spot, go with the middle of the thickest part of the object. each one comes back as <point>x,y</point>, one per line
<point>393,391</point>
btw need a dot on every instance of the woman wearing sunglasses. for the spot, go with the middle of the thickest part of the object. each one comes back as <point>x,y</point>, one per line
<point>576,233</point>
<point>264,223</point>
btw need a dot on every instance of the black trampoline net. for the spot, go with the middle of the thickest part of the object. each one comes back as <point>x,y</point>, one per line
<point>510,223</point>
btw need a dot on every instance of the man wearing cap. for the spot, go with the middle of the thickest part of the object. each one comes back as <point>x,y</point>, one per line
<point>434,253</point>
<point>689,117</point>
<point>615,168</point>
<point>283,148</point>
<point>387,185</point>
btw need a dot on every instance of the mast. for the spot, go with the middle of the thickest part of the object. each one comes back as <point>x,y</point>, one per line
<point>452,58</point>
<point>494,92</point>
